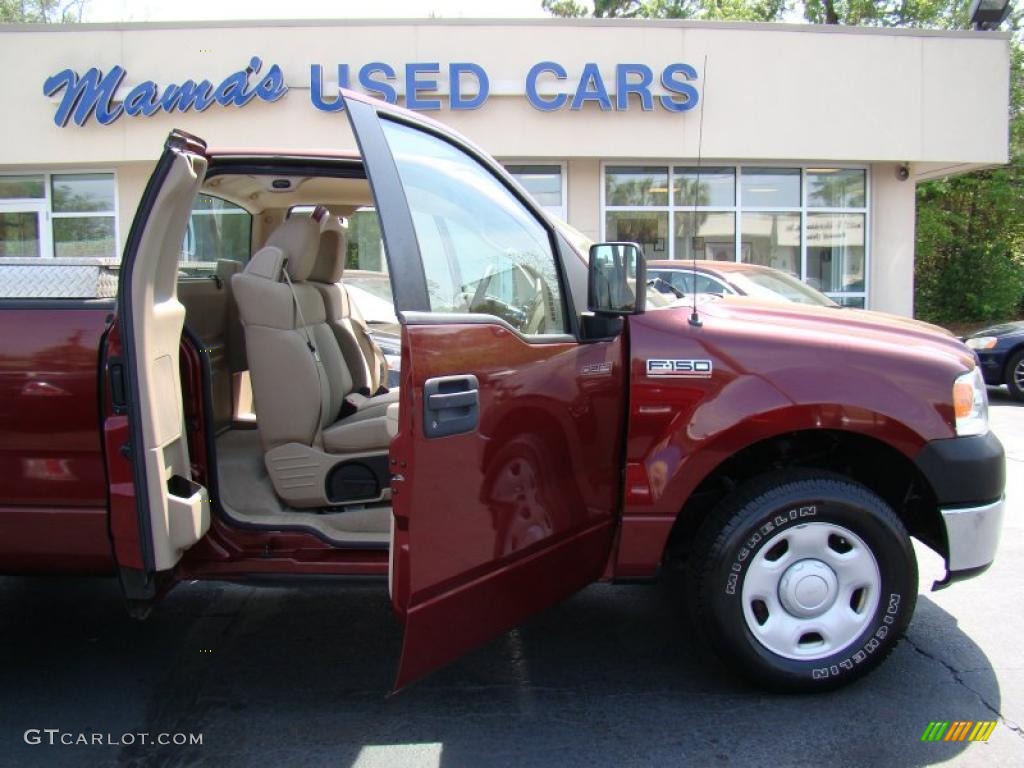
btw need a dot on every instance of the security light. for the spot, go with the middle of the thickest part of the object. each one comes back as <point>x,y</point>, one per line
<point>989,14</point>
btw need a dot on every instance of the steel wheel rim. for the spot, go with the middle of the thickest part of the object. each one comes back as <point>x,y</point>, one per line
<point>811,591</point>
<point>1018,375</point>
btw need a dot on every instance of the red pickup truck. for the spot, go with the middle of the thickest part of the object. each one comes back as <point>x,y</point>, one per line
<point>549,429</point>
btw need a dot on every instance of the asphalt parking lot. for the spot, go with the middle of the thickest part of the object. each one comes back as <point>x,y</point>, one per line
<point>299,675</point>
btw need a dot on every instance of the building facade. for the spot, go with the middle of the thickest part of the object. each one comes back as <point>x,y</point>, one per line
<point>794,146</point>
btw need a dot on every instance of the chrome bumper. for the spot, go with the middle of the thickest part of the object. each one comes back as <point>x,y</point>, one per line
<point>973,535</point>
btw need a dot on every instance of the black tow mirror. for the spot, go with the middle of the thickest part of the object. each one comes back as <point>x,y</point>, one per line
<point>617,279</point>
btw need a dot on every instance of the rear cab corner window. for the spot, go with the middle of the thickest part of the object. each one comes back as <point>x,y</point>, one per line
<point>482,250</point>
<point>217,229</point>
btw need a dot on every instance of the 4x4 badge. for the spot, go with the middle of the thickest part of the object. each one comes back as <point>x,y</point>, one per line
<point>679,369</point>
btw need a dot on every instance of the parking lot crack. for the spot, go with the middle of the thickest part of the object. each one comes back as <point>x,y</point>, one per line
<point>958,678</point>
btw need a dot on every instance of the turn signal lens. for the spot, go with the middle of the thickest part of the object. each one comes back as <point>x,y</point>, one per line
<point>970,403</point>
<point>963,399</point>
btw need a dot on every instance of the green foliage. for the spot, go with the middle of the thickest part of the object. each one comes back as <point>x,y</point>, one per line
<point>740,10</point>
<point>948,14</point>
<point>975,283</point>
<point>41,11</point>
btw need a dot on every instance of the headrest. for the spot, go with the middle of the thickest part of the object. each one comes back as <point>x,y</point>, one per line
<point>330,258</point>
<point>266,263</point>
<point>299,238</point>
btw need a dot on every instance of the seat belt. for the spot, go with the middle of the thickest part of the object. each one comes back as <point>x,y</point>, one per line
<point>379,363</point>
<point>308,338</point>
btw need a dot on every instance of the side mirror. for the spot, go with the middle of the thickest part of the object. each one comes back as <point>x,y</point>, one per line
<point>617,279</point>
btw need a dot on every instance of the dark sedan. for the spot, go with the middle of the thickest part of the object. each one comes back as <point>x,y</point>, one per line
<point>1000,350</point>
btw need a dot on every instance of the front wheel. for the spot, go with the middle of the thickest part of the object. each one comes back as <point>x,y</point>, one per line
<point>804,579</point>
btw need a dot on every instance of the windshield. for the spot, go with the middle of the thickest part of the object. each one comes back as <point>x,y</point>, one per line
<point>775,285</point>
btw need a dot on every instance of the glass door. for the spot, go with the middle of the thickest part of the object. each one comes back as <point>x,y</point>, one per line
<point>23,230</point>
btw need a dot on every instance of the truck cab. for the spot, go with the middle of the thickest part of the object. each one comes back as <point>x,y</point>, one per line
<point>549,429</point>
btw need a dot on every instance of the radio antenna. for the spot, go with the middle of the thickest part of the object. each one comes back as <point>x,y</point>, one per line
<point>698,242</point>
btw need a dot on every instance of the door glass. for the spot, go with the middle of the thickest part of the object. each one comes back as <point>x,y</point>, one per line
<point>483,251</point>
<point>19,233</point>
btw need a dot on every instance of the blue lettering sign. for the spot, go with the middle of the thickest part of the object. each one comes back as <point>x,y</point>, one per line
<point>671,82</point>
<point>414,84</point>
<point>316,88</point>
<point>555,102</point>
<point>92,92</point>
<point>591,88</point>
<point>379,87</point>
<point>97,95</point>
<point>455,72</point>
<point>624,86</point>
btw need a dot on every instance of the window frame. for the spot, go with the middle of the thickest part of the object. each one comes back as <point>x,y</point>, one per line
<point>47,246</point>
<point>238,210</point>
<point>737,209</point>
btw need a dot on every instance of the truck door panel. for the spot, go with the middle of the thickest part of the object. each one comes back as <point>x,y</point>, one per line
<point>511,506</point>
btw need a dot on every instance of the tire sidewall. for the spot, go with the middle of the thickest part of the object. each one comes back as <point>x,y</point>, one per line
<point>1015,359</point>
<point>759,521</point>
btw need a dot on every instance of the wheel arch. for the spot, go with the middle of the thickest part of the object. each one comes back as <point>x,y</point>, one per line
<point>861,457</point>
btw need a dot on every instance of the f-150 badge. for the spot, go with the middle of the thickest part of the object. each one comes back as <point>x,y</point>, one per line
<point>679,369</point>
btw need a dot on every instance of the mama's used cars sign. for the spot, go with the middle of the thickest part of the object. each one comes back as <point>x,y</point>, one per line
<point>548,86</point>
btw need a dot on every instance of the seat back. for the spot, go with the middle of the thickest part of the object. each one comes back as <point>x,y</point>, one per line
<point>299,376</point>
<point>362,355</point>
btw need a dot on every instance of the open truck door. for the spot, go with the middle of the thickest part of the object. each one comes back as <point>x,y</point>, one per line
<point>157,510</point>
<point>507,463</point>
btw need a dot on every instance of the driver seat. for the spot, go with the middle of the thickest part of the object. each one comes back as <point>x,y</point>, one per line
<point>324,444</point>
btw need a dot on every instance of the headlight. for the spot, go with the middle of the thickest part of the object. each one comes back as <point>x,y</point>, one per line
<point>981,342</point>
<point>970,403</point>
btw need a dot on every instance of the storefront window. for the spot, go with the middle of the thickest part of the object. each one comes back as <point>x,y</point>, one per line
<point>772,240</point>
<point>771,188</point>
<point>810,223</point>
<point>648,229</point>
<point>19,234</point>
<point>636,185</point>
<point>84,237</point>
<point>29,187</point>
<point>717,187</point>
<point>835,252</point>
<point>544,183</point>
<point>83,215</point>
<point>717,229</point>
<point>835,188</point>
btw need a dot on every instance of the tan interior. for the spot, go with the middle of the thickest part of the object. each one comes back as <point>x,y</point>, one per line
<point>179,510</point>
<point>255,328</point>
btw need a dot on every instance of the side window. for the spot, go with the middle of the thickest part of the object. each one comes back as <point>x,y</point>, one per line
<point>217,230</point>
<point>483,251</point>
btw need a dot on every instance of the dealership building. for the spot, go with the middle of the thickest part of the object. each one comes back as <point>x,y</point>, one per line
<point>794,146</point>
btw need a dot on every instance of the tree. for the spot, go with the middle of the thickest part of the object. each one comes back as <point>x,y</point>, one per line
<point>947,14</point>
<point>969,260</point>
<point>41,11</point>
<point>741,10</point>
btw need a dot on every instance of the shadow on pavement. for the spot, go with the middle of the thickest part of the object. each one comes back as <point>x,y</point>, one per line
<point>278,676</point>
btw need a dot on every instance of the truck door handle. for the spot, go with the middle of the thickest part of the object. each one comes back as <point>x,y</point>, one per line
<point>451,405</point>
